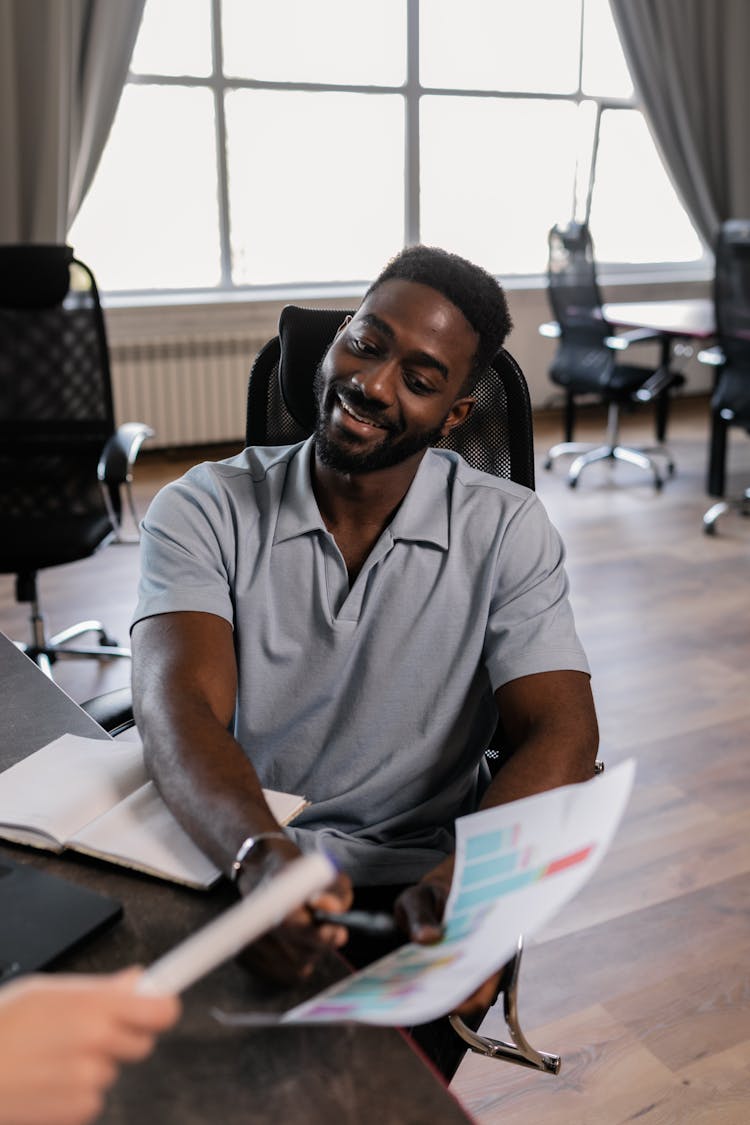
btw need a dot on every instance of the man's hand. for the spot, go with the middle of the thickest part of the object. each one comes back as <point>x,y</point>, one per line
<point>419,913</point>
<point>289,952</point>
<point>63,1038</point>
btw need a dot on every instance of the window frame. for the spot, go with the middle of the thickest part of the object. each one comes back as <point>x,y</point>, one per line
<point>411,90</point>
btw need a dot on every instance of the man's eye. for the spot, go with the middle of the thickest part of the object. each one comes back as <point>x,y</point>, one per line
<point>417,384</point>
<point>363,346</point>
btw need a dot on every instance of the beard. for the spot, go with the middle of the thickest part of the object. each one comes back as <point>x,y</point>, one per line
<point>392,449</point>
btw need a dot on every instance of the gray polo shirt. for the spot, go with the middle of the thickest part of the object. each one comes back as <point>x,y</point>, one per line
<point>375,702</point>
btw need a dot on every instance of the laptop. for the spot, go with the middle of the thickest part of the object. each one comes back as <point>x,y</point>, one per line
<point>43,916</point>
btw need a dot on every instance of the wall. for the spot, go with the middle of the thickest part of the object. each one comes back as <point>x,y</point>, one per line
<point>529,308</point>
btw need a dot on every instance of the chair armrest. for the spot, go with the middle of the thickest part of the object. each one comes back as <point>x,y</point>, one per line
<point>113,710</point>
<point>713,356</point>
<point>623,340</point>
<point>550,329</point>
<point>662,379</point>
<point>120,452</point>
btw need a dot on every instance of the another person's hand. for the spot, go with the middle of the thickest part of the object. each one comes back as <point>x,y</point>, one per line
<point>419,913</point>
<point>62,1038</point>
<point>289,952</point>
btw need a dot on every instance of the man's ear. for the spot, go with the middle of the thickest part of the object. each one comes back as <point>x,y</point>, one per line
<point>347,320</point>
<point>457,414</point>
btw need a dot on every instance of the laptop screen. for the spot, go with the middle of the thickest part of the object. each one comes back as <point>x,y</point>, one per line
<point>43,916</point>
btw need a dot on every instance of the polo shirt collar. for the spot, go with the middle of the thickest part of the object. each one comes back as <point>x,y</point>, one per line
<point>298,511</point>
<point>422,517</point>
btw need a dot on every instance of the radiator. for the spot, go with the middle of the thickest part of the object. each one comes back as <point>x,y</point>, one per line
<point>191,390</point>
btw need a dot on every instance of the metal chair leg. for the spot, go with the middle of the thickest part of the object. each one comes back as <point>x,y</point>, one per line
<point>519,1051</point>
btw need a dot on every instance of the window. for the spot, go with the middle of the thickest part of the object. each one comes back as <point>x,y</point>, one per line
<point>285,143</point>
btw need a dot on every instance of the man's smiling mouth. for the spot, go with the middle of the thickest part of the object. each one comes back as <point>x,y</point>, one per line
<point>358,417</point>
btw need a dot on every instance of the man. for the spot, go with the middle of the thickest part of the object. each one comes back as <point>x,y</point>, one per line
<point>347,618</point>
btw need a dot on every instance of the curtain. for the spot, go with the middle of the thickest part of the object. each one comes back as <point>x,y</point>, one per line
<point>689,62</point>
<point>63,64</point>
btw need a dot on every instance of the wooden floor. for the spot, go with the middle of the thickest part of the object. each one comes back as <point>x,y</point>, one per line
<point>643,982</point>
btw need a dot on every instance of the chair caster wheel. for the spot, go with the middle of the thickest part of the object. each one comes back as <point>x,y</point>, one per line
<point>105,641</point>
<point>548,464</point>
<point>573,483</point>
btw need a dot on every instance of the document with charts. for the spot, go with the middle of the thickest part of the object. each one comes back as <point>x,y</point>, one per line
<point>516,865</point>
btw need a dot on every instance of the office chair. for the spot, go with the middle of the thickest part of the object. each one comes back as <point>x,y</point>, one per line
<point>585,363</point>
<point>62,461</point>
<point>730,403</point>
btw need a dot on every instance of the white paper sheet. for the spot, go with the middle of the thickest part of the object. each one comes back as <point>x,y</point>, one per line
<point>516,865</point>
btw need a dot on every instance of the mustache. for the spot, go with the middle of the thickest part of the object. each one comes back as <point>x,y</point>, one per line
<point>369,408</point>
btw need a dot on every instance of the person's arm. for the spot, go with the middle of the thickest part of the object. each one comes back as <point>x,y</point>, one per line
<point>550,732</point>
<point>184,694</point>
<point>62,1039</point>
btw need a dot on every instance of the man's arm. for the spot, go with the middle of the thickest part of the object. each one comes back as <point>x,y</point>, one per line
<point>184,695</point>
<point>551,734</point>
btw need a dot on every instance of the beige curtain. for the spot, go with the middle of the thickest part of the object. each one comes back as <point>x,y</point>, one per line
<point>689,62</point>
<point>63,64</point>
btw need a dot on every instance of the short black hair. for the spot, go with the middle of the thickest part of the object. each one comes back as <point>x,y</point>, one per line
<point>474,291</point>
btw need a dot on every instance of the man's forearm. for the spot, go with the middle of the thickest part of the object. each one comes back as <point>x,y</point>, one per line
<point>184,693</point>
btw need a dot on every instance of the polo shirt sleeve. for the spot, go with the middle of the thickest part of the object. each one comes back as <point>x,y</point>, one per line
<point>186,539</point>
<point>530,625</point>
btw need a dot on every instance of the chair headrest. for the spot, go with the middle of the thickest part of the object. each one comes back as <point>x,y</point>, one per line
<point>34,276</point>
<point>574,236</point>
<point>305,335</point>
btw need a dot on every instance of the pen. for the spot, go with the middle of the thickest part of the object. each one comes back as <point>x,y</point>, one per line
<point>376,924</point>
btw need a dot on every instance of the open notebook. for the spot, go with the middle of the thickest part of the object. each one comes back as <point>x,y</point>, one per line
<point>93,796</point>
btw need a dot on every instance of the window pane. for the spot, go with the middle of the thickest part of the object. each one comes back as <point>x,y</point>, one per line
<point>508,178</point>
<point>175,38</point>
<point>332,41</point>
<point>500,44</point>
<point>635,213</point>
<point>151,219</point>
<point>605,72</point>
<point>315,184</point>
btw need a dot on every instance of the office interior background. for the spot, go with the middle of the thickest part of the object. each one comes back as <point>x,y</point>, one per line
<point>249,154</point>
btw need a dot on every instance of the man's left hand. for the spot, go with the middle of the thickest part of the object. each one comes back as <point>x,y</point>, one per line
<point>419,913</point>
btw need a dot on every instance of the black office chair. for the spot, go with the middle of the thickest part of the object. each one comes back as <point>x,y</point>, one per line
<point>586,365</point>
<point>497,437</point>
<point>62,461</point>
<point>730,403</point>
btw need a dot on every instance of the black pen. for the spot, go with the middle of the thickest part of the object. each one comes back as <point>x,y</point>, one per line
<point>376,924</point>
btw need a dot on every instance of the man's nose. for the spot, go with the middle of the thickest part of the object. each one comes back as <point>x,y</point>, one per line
<point>376,382</point>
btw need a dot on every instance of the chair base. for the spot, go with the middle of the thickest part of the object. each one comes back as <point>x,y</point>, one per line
<point>44,651</point>
<point>588,454</point>
<point>741,505</point>
<point>519,1051</point>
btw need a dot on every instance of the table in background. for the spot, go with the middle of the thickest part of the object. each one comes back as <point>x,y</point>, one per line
<point>689,319</point>
<point>202,1071</point>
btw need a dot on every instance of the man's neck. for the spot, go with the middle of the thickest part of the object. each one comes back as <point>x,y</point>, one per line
<point>357,507</point>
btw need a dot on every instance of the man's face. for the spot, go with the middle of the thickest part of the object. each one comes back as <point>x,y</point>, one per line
<point>389,385</point>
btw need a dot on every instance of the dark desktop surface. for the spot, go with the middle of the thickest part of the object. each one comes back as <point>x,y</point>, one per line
<point>204,1071</point>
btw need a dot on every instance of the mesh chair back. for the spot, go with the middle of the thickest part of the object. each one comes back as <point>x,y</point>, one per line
<point>573,288</point>
<point>497,437</point>
<point>56,410</point>
<point>732,304</point>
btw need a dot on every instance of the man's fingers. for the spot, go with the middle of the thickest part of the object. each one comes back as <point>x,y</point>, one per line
<point>419,911</point>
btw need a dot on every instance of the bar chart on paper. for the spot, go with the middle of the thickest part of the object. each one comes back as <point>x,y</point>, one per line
<point>516,865</point>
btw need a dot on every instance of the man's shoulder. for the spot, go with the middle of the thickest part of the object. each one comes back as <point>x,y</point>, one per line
<point>255,463</point>
<point>470,482</point>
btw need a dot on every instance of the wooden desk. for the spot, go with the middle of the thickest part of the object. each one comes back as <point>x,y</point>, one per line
<point>204,1072</point>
